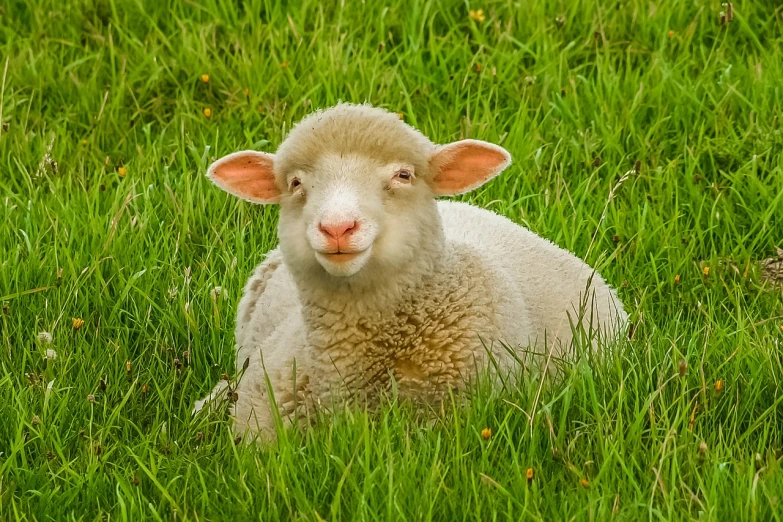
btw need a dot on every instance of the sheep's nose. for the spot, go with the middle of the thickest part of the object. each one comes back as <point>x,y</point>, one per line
<point>339,230</point>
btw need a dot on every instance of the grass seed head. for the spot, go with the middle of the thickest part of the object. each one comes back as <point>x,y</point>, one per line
<point>683,368</point>
<point>727,15</point>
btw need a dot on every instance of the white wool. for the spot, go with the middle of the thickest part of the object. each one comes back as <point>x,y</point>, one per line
<point>441,283</point>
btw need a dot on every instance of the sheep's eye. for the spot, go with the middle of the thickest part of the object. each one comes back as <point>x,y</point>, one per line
<point>404,175</point>
<point>295,184</point>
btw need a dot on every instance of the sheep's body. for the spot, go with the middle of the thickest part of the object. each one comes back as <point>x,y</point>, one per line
<point>493,281</point>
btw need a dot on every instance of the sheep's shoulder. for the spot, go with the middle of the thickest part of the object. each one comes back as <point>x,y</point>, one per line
<point>269,299</point>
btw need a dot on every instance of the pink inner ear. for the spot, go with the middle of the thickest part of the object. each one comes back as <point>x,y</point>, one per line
<point>465,165</point>
<point>247,174</point>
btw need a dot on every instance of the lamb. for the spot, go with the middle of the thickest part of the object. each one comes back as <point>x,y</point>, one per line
<point>375,282</point>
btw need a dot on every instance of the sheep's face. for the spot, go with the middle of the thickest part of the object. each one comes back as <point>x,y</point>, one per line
<point>357,189</point>
<point>351,212</point>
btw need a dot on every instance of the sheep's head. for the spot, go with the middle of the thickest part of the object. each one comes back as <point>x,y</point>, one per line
<point>357,188</point>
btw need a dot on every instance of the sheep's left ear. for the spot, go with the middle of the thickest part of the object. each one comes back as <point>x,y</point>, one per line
<point>247,174</point>
<point>462,166</point>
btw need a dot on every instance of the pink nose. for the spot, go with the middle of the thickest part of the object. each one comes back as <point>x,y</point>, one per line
<point>339,230</point>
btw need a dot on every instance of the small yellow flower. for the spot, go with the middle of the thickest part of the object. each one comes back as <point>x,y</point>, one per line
<point>260,108</point>
<point>584,483</point>
<point>127,366</point>
<point>486,433</point>
<point>77,323</point>
<point>706,271</point>
<point>122,171</point>
<point>670,34</point>
<point>143,388</point>
<point>247,91</point>
<point>205,78</point>
<point>677,279</point>
<point>84,142</point>
<point>529,474</point>
<point>207,112</point>
<point>718,385</point>
<point>477,15</point>
<point>284,65</point>
<point>400,115</point>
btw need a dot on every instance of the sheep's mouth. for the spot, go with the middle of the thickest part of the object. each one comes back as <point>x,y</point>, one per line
<point>341,257</point>
<point>343,264</point>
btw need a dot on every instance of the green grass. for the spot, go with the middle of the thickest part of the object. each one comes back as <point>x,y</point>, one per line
<point>579,92</point>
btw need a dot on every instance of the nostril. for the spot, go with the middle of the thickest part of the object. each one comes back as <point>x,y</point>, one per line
<point>338,230</point>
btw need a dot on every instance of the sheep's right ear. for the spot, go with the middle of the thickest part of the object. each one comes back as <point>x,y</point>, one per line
<point>247,174</point>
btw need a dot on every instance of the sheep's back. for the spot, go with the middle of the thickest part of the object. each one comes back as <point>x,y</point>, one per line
<point>539,279</point>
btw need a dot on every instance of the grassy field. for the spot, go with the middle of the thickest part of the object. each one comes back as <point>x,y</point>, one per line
<point>112,109</point>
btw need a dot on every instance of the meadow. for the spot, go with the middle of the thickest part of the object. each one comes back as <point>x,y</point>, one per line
<point>647,138</point>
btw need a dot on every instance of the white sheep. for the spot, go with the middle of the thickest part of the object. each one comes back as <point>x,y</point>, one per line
<point>375,280</point>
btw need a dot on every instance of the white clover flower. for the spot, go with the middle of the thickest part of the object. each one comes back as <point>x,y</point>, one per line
<point>51,355</point>
<point>45,338</point>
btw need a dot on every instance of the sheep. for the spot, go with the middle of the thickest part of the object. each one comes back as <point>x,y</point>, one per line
<point>376,282</point>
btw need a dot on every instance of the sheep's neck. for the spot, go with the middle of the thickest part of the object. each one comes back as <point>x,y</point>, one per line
<point>425,336</point>
<point>355,302</point>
